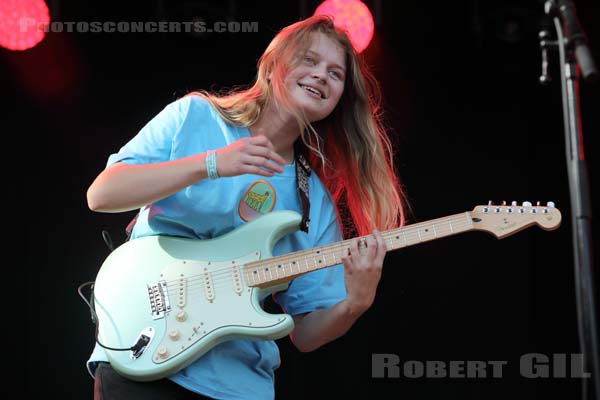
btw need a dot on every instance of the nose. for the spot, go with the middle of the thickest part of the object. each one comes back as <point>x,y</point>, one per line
<point>318,76</point>
<point>319,73</point>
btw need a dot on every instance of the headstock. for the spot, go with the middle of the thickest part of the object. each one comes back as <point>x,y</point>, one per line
<point>504,220</point>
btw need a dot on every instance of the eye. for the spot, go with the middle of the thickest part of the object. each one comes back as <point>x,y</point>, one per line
<point>336,74</point>
<point>309,60</point>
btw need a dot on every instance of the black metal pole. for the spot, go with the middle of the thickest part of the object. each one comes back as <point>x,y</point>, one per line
<point>575,55</point>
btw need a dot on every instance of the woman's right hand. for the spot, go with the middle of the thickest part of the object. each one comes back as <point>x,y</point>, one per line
<point>254,155</point>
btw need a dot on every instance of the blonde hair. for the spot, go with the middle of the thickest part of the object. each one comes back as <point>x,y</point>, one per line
<point>349,149</point>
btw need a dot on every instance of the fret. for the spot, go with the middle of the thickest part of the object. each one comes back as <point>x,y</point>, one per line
<point>269,270</point>
<point>412,241</point>
<point>334,254</point>
<point>249,277</point>
<point>292,263</point>
<point>434,231</point>
<point>256,278</point>
<point>280,268</point>
<point>450,223</point>
<point>282,265</point>
<point>318,259</point>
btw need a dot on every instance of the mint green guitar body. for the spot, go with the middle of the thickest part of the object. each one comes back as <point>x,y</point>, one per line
<point>174,299</point>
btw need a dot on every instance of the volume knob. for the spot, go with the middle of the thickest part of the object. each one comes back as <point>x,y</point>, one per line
<point>181,316</point>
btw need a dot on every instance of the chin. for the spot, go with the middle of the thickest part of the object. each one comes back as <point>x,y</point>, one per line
<point>314,113</point>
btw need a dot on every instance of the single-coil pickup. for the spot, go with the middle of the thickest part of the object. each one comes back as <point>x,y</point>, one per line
<point>181,291</point>
<point>209,290</point>
<point>237,279</point>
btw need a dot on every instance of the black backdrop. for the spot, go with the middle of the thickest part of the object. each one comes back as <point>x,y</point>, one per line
<point>470,122</point>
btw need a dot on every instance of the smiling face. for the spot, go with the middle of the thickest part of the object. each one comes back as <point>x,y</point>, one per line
<point>316,84</point>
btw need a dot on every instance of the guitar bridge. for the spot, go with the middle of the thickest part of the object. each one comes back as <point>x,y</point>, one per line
<point>159,300</point>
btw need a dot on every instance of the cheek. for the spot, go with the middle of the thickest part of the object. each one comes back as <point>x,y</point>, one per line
<point>339,91</point>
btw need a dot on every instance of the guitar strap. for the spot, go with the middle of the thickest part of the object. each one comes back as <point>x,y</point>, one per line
<point>302,173</point>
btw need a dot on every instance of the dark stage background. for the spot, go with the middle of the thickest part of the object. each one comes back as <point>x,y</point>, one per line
<point>470,122</point>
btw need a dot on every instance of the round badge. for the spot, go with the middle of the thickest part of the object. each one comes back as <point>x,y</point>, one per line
<point>258,200</point>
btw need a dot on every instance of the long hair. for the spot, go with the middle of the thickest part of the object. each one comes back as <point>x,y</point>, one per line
<point>349,149</point>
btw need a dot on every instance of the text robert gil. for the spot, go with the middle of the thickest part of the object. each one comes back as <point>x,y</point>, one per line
<point>531,365</point>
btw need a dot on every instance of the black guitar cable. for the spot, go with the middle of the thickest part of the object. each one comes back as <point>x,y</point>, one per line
<point>90,302</point>
<point>94,316</point>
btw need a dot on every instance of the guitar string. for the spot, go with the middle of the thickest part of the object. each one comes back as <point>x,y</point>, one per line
<point>224,275</point>
<point>226,280</point>
<point>333,250</point>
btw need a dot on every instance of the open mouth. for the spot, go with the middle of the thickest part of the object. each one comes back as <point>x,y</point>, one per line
<point>312,91</point>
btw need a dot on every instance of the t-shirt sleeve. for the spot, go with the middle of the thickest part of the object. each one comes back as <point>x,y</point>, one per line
<point>154,141</point>
<point>318,289</point>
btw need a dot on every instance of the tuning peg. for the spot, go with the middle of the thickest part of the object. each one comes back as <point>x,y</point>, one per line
<point>490,203</point>
<point>514,203</point>
<point>503,202</point>
<point>550,204</point>
<point>538,204</point>
<point>526,204</point>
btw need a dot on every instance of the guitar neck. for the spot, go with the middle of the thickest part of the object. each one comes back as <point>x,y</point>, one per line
<point>276,270</point>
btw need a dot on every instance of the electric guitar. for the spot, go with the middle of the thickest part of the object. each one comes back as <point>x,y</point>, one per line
<point>162,302</point>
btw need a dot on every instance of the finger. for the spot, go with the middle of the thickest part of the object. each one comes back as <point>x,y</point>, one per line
<point>253,169</point>
<point>262,162</point>
<point>371,242</point>
<point>381,243</point>
<point>347,261</point>
<point>262,140</point>
<point>355,252</point>
<point>266,153</point>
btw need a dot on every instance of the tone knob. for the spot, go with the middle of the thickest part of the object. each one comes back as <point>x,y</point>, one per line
<point>181,316</point>
<point>162,351</point>
<point>174,334</point>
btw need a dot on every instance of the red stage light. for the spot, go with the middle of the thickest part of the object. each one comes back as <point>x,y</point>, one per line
<point>352,15</point>
<point>21,23</point>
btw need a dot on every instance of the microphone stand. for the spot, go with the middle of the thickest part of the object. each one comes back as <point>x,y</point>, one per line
<point>576,59</point>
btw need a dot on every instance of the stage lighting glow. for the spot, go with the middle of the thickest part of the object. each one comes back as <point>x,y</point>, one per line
<point>352,15</point>
<point>21,23</point>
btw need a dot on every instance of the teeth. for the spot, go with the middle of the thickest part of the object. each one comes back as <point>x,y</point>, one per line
<point>312,90</point>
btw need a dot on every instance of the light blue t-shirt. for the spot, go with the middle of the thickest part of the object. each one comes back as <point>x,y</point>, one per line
<point>236,369</point>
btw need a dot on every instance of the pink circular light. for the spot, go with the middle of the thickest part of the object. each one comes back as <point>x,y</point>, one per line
<point>353,16</point>
<point>21,23</point>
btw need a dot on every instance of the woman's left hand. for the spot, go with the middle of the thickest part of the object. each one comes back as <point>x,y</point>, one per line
<point>362,270</point>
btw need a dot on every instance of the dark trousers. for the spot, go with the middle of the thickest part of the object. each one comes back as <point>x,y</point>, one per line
<point>109,385</point>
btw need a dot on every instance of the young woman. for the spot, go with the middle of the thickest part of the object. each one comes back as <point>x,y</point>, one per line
<point>209,163</point>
